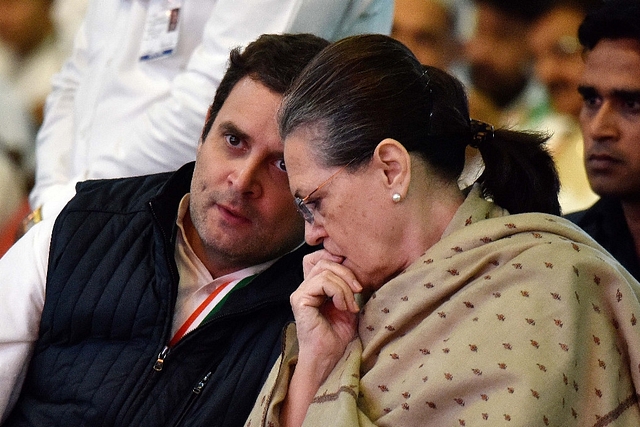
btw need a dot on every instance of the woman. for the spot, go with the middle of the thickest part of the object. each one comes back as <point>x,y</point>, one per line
<point>480,307</point>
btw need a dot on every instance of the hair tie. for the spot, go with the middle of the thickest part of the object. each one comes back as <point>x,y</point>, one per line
<point>481,132</point>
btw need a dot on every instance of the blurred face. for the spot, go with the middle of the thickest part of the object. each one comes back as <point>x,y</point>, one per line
<point>425,28</point>
<point>610,118</point>
<point>498,57</point>
<point>557,57</point>
<point>350,213</point>
<point>24,23</point>
<point>241,208</point>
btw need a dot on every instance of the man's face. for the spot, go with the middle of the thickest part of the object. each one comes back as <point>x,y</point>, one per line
<point>241,208</point>
<point>23,23</point>
<point>610,118</point>
<point>426,29</point>
<point>499,59</point>
<point>557,57</point>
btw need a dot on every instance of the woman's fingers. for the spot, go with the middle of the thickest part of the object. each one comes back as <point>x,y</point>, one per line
<point>322,260</point>
<point>328,284</point>
<point>313,258</point>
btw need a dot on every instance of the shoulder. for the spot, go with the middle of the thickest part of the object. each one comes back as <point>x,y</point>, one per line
<point>576,217</point>
<point>108,193</point>
<point>132,193</point>
<point>599,211</point>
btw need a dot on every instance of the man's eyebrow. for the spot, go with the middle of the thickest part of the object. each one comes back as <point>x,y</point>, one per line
<point>626,94</point>
<point>587,91</point>
<point>230,127</point>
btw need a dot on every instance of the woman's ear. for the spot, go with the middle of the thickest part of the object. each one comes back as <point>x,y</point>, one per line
<point>394,162</point>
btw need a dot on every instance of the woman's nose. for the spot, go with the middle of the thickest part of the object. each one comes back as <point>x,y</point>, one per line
<point>314,234</point>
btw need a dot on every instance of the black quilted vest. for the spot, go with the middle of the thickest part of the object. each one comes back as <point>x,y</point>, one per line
<point>111,289</point>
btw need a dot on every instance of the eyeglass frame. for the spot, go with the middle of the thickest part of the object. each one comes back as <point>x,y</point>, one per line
<point>301,203</point>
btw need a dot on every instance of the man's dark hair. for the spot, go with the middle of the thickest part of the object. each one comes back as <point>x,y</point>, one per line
<point>273,60</point>
<point>584,6</point>
<point>615,19</point>
<point>523,10</point>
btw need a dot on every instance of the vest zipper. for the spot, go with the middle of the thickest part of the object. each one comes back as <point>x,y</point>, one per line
<point>195,392</point>
<point>164,353</point>
<point>198,388</point>
<point>161,357</point>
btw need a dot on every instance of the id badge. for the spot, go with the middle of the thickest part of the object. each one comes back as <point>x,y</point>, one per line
<point>161,29</point>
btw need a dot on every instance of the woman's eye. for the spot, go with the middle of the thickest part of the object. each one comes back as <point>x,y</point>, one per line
<point>313,204</point>
<point>232,140</point>
<point>280,165</point>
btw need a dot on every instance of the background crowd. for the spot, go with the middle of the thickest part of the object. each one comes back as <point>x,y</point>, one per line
<point>192,253</point>
<point>519,60</point>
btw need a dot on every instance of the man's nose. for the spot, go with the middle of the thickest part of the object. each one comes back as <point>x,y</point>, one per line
<point>246,178</point>
<point>602,123</point>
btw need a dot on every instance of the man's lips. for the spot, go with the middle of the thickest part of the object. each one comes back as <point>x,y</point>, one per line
<point>232,215</point>
<point>601,161</point>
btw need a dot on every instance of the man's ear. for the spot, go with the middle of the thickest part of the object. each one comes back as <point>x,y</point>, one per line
<point>394,162</point>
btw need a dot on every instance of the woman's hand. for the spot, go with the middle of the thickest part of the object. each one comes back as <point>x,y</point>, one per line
<point>325,310</point>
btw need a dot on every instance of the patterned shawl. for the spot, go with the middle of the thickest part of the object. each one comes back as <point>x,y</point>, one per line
<point>514,320</point>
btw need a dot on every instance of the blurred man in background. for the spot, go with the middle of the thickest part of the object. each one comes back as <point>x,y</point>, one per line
<point>428,28</point>
<point>502,91</point>
<point>558,64</point>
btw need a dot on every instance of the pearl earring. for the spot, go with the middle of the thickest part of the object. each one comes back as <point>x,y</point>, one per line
<point>396,197</point>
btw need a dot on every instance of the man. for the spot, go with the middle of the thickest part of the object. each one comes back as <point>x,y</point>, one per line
<point>610,123</point>
<point>30,50</point>
<point>132,96</point>
<point>16,133</point>
<point>165,294</point>
<point>428,28</point>
<point>558,65</point>
<point>501,89</point>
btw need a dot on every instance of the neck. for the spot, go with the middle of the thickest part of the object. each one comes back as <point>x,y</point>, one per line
<point>631,211</point>
<point>430,218</point>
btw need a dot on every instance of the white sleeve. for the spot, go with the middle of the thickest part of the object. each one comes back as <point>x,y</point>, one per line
<point>55,138</point>
<point>166,136</point>
<point>23,271</point>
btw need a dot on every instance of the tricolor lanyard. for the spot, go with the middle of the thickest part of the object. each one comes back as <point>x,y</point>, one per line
<point>210,306</point>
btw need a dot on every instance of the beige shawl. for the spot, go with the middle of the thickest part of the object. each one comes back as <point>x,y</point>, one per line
<point>514,320</point>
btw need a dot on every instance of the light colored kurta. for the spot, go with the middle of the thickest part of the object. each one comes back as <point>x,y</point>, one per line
<point>509,320</point>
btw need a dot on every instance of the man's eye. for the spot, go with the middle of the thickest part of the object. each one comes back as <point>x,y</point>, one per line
<point>280,165</point>
<point>632,105</point>
<point>232,140</point>
<point>590,101</point>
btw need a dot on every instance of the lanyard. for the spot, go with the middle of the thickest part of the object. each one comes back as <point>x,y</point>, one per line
<point>212,304</point>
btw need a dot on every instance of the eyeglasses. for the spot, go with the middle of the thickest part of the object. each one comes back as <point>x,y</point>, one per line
<point>301,203</point>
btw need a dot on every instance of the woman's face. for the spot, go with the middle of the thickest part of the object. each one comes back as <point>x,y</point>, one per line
<point>351,212</point>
